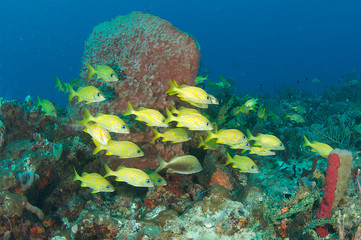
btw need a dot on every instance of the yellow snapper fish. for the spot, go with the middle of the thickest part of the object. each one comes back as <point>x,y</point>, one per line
<point>132,176</point>
<point>184,110</point>
<point>321,148</point>
<point>243,163</point>
<point>251,103</point>
<point>244,145</point>
<point>89,94</point>
<point>260,151</point>
<point>123,149</point>
<point>175,135</point>
<point>261,113</point>
<point>187,164</point>
<point>297,118</point>
<point>299,109</point>
<point>151,117</point>
<point>98,133</point>
<point>193,95</point>
<point>227,136</point>
<point>110,122</point>
<point>103,72</point>
<point>157,179</point>
<point>190,121</point>
<point>268,142</point>
<point>47,107</point>
<point>211,144</point>
<point>94,181</point>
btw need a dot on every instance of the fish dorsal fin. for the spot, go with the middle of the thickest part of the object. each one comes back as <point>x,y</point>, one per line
<point>142,109</point>
<point>120,167</point>
<point>84,174</point>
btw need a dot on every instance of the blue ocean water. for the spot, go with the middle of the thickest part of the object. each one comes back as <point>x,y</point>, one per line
<point>272,43</point>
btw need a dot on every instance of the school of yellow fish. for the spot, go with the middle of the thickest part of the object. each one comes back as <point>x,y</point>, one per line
<point>99,126</point>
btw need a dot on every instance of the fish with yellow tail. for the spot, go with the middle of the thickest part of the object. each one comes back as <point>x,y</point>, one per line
<point>98,133</point>
<point>321,148</point>
<point>184,110</point>
<point>251,103</point>
<point>94,181</point>
<point>211,144</point>
<point>47,107</point>
<point>260,151</point>
<point>227,136</point>
<point>122,149</point>
<point>187,164</point>
<point>201,79</point>
<point>299,109</point>
<point>268,142</point>
<point>89,94</point>
<point>194,95</point>
<point>157,179</point>
<point>110,122</point>
<point>297,118</point>
<point>190,121</point>
<point>175,135</point>
<point>103,72</point>
<point>243,163</point>
<point>132,176</point>
<point>151,117</point>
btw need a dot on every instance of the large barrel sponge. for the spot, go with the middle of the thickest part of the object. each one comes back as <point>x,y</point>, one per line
<point>146,52</point>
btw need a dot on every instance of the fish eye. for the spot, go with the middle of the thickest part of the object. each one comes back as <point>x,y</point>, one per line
<point>107,186</point>
<point>112,75</point>
<point>207,98</point>
<point>147,181</point>
<point>207,124</point>
<point>281,145</point>
<point>123,127</point>
<point>159,180</point>
<point>98,95</point>
<point>252,167</point>
<point>138,151</point>
<point>247,144</point>
<point>163,121</point>
<point>244,137</point>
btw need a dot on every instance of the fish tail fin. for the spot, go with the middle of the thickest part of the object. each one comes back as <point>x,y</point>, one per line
<point>86,118</point>
<point>130,110</point>
<point>286,116</point>
<point>58,83</point>
<point>307,143</point>
<point>76,177</point>
<point>170,117</point>
<point>249,135</point>
<point>71,92</point>
<point>229,159</point>
<point>162,164</point>
<point>156,135</point>
<point>174,110</point>
<point>201,142</point>
<point>173,88</point>
<point>38,103</point>
<point>108,171</point>
<point>98,147</point>
<point>91,70</point>
<point>210,135</point>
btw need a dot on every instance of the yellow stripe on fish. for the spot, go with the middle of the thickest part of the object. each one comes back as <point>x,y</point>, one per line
<point>269,142</point>
<point>94,181</point>
<point>132,176</point>
<point>151,117</point>
<point>190,121</point>
<point>98,133</point>
<point>110,122</point>
<point>123,149</point>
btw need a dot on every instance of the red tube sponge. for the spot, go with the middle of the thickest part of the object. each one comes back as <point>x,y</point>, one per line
<point>333,164</point>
